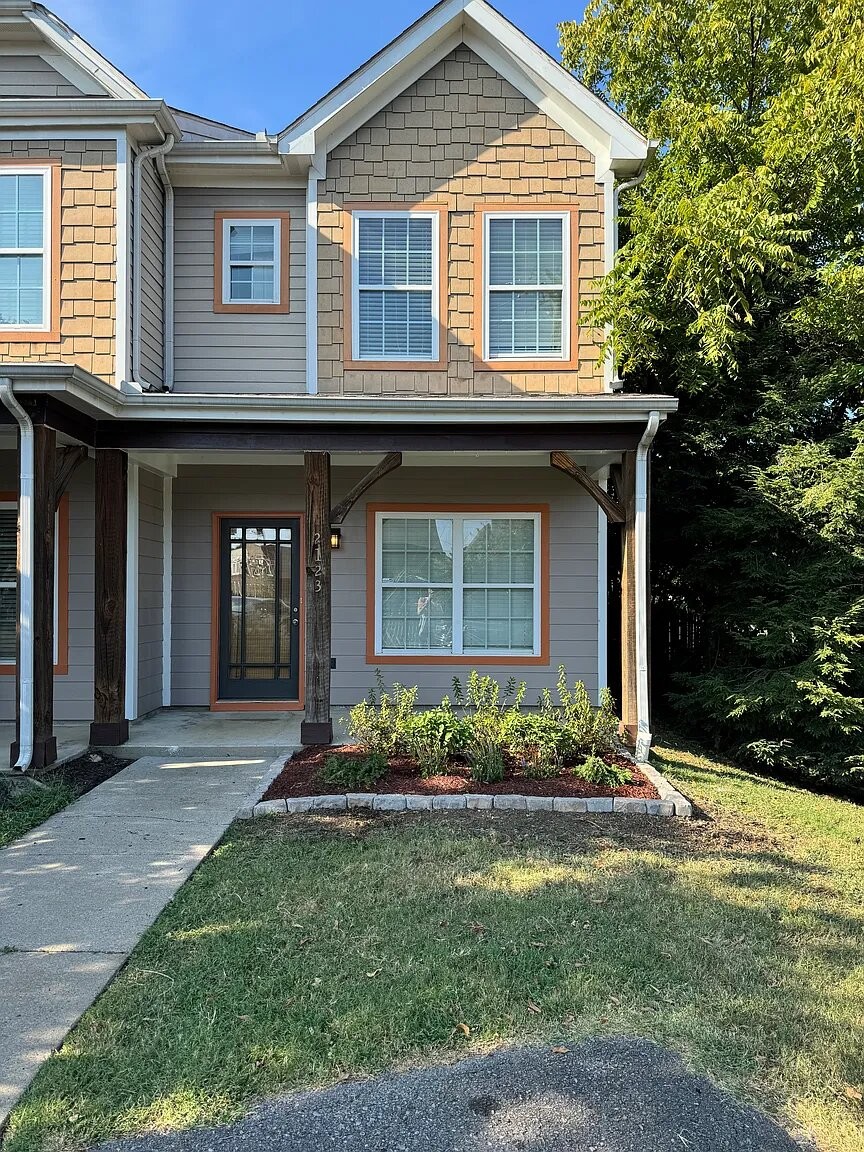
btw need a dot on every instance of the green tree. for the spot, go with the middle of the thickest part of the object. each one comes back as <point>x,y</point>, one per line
<point>740,286</point>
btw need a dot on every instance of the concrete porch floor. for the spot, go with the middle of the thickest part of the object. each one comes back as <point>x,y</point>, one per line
<point>187,732</point>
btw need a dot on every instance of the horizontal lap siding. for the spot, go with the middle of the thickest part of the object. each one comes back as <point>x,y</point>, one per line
<point>201,491</point>
<point>149,592</point>
<point>235,352</point>
<point>73,693</point>
<point>32,76</point>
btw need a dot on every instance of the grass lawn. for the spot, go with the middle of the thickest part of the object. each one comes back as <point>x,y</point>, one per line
<point>19,813</point>
<point>309,949</point>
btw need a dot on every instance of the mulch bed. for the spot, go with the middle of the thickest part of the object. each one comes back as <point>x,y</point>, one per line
<point>85,771</point>
<point>299,777</point>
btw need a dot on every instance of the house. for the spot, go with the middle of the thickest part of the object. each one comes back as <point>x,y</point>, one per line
<point>280,410</point>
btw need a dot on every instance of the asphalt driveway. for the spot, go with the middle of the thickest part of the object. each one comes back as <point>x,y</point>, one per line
<point>619,1095</point>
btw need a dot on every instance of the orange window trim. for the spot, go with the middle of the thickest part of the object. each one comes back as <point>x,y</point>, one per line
<point>61,666</point>
<point>465,660</point>
<point>284,218</point>
<point>348,363</point>
<point>217,705</point>
<point>52,333</point>
<point>535,208</point>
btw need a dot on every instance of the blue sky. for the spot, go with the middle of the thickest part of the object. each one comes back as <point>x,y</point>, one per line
<point>203,56</point>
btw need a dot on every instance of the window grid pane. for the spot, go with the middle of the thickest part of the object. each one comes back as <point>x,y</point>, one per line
<point>395,287</point>
<point>525,278</point>
<point>252,263</point>
<point>462,585</point>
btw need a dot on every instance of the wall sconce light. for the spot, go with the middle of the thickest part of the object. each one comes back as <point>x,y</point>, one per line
<point>335,539</point>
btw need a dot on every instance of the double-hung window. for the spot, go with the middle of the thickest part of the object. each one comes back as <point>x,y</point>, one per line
<point>458,583</point>
<point>252,263</point>
<point>526,286</point>
<point>25,248</point>
<point>9,583</point>
<point>395,286</point>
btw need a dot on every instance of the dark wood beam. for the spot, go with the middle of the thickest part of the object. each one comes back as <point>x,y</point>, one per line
<point>68,460</point>
<point>564,463</point>
<point>317,726</point>
<point>110,726</point>
<point>385,436</point>
<point>44,507</point>
<point>339,511</point>
<point>627,495</point>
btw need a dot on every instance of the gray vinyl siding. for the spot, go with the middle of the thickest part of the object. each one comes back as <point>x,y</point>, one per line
<point>152,272</point>
<point>32,76</point>
<point>149,592</point>
<point>73,693</point>
<point>201,491</point>
<point>234,352</point>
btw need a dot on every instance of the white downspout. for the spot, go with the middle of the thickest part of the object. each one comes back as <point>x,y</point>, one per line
<point>155,150</point>
<point>643,726</point>
<point>167,278</point>
<point>612,191</point>
<point>26,548</point>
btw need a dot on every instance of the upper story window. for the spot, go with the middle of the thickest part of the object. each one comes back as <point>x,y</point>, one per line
<point>526,272</point>
<point>252,262</point>
<point>26,249</point>
<point>395,287</point>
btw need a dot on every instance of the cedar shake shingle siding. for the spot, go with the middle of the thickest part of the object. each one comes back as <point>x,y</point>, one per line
<point>461,136</point>
<point>88,252</point>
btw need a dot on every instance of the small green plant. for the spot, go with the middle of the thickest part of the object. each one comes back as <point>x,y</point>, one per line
<point>380,723</point>
<point>353,774</point>
<point>433,738</point>
<point>485,755</point>
<point>537,742</point>
<point>597,771</point>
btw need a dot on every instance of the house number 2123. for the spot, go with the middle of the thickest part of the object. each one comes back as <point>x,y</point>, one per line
<point>317,565</point>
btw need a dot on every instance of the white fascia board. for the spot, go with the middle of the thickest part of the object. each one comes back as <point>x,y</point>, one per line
<point>71,44</point>
<point>87,112</point>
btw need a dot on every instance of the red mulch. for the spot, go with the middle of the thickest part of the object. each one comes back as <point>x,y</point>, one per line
<point>299,778</point>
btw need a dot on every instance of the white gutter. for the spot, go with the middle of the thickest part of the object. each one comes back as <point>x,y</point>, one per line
<point>26,548</point>
<point>167,278</point>
<point>643,724</point>
<point>156,150</point>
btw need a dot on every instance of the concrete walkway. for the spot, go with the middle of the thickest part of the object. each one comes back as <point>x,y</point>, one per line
<point>77,893</point>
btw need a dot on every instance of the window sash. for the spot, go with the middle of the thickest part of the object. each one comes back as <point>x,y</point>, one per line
<point>11,658</point>
<point>385,289</point>
<point>562,289</point>
<point>228,264</point>
<point>458,585</point>
<point>43,251</point>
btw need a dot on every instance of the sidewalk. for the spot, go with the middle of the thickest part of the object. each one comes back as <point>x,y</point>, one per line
<point>77,893</point>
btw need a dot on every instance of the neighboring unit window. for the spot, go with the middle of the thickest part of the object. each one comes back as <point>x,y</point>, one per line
<point>9,580</point>
<point>395,286</point>
<point>457,584</point>
<point>25,272</point>
<point>251,258</point>
<point>526,275</point>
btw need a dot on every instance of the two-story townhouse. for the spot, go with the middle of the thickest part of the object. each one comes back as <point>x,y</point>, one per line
<point>280,410</point>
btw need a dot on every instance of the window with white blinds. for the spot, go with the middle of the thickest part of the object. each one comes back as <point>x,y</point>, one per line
<point>526,284</point>
<point>25,250</point>
<point>457,584</point>
<point>9,582</point>
<point>251,257</point>
<point>395,286</point>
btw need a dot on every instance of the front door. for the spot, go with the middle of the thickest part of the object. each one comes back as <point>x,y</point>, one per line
<point>259,608</point>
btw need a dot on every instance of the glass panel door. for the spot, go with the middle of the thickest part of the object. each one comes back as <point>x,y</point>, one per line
<point>259,609</point>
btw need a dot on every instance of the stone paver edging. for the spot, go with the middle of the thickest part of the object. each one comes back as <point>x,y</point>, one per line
<point>669,803</point>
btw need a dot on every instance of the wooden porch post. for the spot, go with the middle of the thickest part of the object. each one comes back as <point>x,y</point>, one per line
<point>110,726</point>
<point>44,507</point>
<point>317,726</point>
<point>627,497</point>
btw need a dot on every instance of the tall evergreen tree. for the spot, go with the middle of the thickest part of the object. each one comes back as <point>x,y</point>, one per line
<point>740,285</point>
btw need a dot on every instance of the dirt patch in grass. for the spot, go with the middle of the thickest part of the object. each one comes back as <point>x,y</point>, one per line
<point>300,777</point>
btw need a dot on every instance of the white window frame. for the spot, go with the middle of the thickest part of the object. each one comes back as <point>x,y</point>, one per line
<point>47,173</point>
<point>434,288</point>
<point>12,661</point>
<point>563,287</point>
<point>457,585</point>
<point>228,263</point>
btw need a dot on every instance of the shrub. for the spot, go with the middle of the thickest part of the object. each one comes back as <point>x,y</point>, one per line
<point>597,771</point>
<point>353,774</point>
<point>537,742</point>
<point>381,722</point>
<point>434,737</point>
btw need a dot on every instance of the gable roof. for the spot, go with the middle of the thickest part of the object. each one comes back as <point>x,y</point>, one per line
<point>541,79</point>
